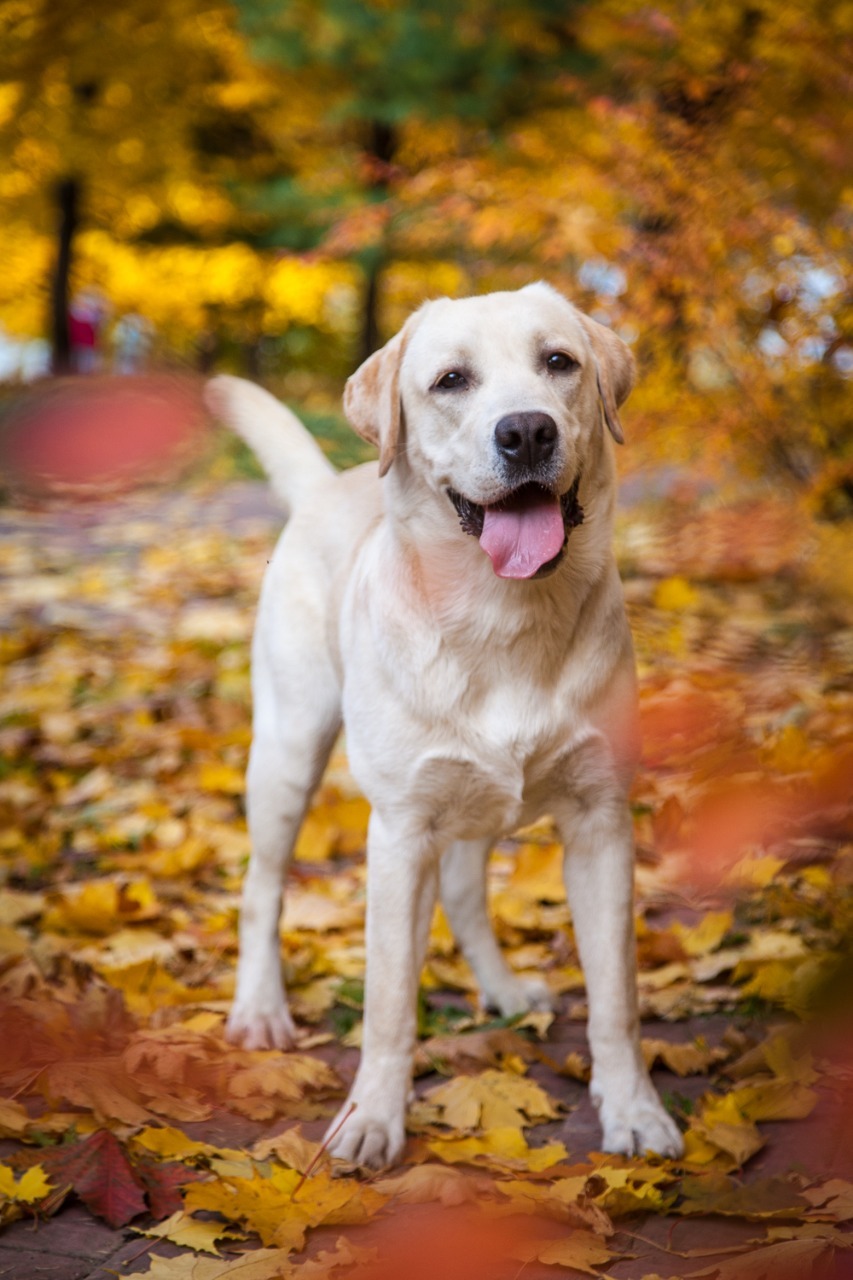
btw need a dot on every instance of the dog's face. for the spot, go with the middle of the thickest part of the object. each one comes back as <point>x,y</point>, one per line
<point>496,401</point>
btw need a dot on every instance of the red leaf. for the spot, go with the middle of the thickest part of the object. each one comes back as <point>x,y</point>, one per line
<point>100,1173</point>
<point>162,1185</point>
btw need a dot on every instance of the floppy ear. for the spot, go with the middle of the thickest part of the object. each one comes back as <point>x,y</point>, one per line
<point>615,370</point>
<point>372,398</point>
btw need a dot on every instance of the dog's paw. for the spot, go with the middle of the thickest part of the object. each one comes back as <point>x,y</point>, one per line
<point>517,995</point>
<point>640,1127</point>
<point>367,1137</point>
<point>256,1026</point>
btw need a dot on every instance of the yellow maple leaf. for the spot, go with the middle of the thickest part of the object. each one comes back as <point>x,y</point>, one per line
<point>189,1233</point>
<point>263,1087</point>
<point>779,1055</point>
<point>99,906</point>
<point>775,1100</point>
<point>688,1058</point>
<point>492,1100</point>
<point>756,872</point>
<point>180,860</point>
<point>283,1206</point>
<point>31,1186</point>
<point>292,1150</point>
<point>700,1151</point>
<point>774,981</point>
<point>722,1123</point>
<point>698,940</point>
<point>147,986</point>
<point>169,1143</point>
<point>334,825</point>
<point>503,1146</point>
<point>630,1189</point>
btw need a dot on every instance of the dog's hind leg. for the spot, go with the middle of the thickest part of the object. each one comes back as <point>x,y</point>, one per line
<point>295,728</point>
<point>463,896</point>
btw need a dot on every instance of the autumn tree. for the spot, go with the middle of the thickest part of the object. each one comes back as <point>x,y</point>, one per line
<point>391,72</point>
<point>733,130</point>
<point>688,183</point>
<point>129,118</point>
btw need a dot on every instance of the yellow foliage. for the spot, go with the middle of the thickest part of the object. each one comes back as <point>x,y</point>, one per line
<point>675,595</point>
<point>497,1145</point>
<point>492,1100</point>
<point>31,1186</point>
<point>189,1233</point>
<point>98,907</point>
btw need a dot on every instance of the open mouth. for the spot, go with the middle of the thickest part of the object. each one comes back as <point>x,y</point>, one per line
<point>525,534</point>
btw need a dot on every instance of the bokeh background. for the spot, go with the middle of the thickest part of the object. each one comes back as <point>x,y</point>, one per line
<point>270,186</point>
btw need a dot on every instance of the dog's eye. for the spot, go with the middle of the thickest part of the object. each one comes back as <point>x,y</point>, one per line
<point>559,362</point>
<point>452,381</point>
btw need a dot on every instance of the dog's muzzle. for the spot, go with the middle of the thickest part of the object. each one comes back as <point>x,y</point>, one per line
<point>525,534</point>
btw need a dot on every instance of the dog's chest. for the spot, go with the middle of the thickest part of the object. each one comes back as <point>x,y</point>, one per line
<point>470,750</point>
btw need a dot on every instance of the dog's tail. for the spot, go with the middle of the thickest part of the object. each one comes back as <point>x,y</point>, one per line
<point>290,456</point>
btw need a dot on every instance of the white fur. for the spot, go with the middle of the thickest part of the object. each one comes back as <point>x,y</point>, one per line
<point>473,705</point>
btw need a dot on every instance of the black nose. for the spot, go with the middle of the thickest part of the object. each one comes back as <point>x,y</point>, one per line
<point>526,439</point>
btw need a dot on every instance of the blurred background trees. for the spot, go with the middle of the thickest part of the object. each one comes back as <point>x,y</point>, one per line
<point>272,186</point>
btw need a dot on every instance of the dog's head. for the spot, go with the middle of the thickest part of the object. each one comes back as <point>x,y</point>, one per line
<point>497,403</point>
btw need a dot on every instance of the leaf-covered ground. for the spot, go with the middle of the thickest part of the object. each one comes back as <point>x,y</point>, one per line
<point>135,1139</point>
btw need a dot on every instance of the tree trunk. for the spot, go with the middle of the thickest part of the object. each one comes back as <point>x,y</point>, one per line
<point>381,148</point>
<point>68,205</point>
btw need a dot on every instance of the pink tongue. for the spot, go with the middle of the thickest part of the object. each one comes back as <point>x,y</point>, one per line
<point>521,537</point>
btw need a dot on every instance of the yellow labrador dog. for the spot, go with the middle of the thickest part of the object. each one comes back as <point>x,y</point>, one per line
<point>458,606</point>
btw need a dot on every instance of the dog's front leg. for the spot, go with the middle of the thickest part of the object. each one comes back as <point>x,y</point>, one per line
<point>402,877</point>
<point>599,874</point>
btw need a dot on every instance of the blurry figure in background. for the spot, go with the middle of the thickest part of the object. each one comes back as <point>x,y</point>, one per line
<point>132,342</point>
<point>23,359</point>
<point>85,318</point>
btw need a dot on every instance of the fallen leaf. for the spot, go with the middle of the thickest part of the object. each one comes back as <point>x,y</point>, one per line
<point>292,1150</point>
<point>492,1100</point>
<point>188,1232</point>
<point>685,1059</point>
<point>428,1183</point>
<point>787,1260</point>
<point>283,1206</point>
<point>472,1051</point>
<point>259,1264</point>
<point>832,1199</point>
<point>717,1193</point>
<point>579,1251</point>
<point>31,1186</point>
<point>111,1183</point>
<point>497,1145</point>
